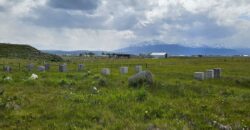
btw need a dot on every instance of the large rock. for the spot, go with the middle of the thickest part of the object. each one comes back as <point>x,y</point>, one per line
<point>143,77</point>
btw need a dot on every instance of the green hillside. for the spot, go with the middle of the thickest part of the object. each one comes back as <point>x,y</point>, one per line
<point>25,52</point>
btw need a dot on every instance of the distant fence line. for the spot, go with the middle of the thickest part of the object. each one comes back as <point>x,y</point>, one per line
<point>72,67</point>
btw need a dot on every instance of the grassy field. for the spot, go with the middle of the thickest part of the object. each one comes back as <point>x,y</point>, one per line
<point>175,100</point>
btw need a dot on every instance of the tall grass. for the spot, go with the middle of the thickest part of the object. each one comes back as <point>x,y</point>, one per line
<point>88,100</point>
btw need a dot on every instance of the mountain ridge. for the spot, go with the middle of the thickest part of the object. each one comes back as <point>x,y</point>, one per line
<point>176,49</point>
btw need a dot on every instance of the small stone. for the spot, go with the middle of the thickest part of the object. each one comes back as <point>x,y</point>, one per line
<point>152,127</point>
<point>33,77</point>
<point>225,127</point>
<point>80,67</point>
<point>7,78</point>
<point>105,71</point>
<point>12,105</point>
<point>95,90</point>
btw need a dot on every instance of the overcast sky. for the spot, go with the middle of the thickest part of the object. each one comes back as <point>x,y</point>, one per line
<point>112,24</point>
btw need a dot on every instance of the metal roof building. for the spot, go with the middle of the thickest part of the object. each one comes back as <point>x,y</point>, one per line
<point>159,55</point>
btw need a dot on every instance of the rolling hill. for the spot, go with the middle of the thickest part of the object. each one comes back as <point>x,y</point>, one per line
<point>25,52</point>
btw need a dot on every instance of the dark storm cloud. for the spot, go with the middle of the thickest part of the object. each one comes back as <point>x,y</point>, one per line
<point>85,5</point>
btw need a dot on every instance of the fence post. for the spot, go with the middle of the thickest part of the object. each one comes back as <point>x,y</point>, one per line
<point>19,66</point>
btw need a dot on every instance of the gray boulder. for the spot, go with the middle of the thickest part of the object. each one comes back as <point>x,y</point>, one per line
<point>143,77</point>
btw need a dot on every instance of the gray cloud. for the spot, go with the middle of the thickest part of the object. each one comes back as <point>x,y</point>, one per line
<point>224,22</point>
<point>85,5</point>
<point>2,9</point>
<point>51,18</point>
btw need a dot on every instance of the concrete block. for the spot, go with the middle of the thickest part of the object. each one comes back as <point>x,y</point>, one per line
<point>47,67</point>
<point>124,70</point>
<point>63,68</point>
<point>105,71</point>
<point>209,74</point>
<point>30,67</point>
<point>41,68</point>
<point>80,67</point>
<point>138,68</point>
<point>7,69</point>
<point>217,73</point>
<point>199,75</point>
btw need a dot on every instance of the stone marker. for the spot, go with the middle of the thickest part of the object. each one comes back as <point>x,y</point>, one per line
<point>217,73</point>
<point>80,67</point>
<point>105,71</point>
<point>63,68</point>
<point>141,78</point>
<point>30,67</point>
<point>209,74</point>
<point>41,68</point>
<point>47,67</point>
<point>7,69</point>
<point>124,70</point>
<point>199,75</point>
<point>138,68</point>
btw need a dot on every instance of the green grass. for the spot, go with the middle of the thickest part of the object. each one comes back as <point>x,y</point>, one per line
<point>25,52</point>
<point>175,100</point>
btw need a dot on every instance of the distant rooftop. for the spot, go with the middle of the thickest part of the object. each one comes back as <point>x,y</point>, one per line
<point>158,53</point>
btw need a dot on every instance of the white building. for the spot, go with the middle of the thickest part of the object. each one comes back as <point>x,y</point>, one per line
<point>159,55</point>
